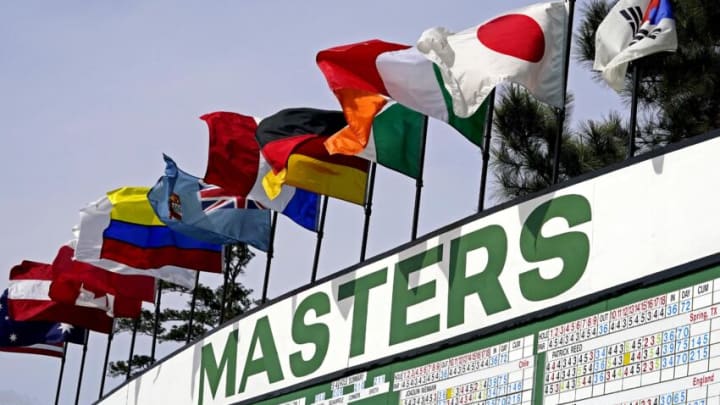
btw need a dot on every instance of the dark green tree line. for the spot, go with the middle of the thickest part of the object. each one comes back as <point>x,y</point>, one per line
<point>679,98</point>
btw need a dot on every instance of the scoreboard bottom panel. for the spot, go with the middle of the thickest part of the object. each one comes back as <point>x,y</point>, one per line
<point>654,346</point>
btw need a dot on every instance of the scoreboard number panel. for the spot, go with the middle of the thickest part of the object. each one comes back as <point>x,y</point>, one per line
<point>663,349</point>
<point>656,346</point>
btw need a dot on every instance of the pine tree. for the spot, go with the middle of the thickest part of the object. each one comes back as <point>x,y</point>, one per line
<point>527,129</point>
<point>680,91</point>
<point>679,97</point>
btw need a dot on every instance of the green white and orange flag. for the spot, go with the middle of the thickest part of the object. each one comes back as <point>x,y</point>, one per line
<point>374,77</point>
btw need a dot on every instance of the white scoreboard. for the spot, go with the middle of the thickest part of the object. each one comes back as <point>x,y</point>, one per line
<point>601,291</point>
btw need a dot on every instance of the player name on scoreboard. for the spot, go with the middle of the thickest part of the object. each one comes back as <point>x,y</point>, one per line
<point>661,350</point>
<point>501,374</point>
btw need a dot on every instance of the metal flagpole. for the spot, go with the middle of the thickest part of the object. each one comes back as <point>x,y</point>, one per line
<point>562,111</point>
<point>156,322</point>
<point>107,358</point>
<point>368,210</point>
<point>486,149</point>
<point>419,181</point>
<point>633,110</point>
<point>60,376</point>
<point>318,243</point>
<point>268,262</point>
<point>226,272</point>
<point>132,346</point>
<point>192,307</point>
<point>82,367</point>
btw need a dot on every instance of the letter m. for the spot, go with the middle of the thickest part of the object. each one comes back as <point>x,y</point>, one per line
<point>214,371</point>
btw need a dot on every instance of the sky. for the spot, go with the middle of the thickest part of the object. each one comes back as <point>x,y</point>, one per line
<point>93,93</point>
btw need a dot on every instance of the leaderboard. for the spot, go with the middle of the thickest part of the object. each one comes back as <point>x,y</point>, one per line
<point>661,350</point>
<point>501,374</point>
<point>659,346</point>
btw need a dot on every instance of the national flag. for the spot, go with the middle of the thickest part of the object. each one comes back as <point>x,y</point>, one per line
<point>632,30</point>
<point>121,233</point>
<point>46,338</point>
<point>29,300</point>
<point>292,141</point>
<point>237,166</point>
<point>374,80</point>
<point>524,46</point>
<point>207,212</point>
<point>72,279</point>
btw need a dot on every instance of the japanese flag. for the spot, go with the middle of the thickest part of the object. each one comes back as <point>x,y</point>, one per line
<point>525,46</point>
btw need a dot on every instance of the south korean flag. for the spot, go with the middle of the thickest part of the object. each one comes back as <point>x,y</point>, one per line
<point>632,30</point>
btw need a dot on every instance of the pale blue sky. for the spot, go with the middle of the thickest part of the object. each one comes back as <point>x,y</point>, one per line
<point>92,94</point>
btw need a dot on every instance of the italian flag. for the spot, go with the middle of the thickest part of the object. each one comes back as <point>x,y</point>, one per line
<point>375,78</point>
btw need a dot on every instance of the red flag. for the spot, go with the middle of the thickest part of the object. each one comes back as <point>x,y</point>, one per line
<point>234,154</point>
<point>69,275</point>
<point>29,300</point>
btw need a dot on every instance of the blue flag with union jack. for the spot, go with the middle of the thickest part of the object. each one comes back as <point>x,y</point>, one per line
<point>206,212</point>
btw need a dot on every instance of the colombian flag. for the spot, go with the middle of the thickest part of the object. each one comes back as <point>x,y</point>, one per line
<point>137,237</point>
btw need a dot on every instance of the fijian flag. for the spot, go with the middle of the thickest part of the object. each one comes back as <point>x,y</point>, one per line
<point>632,30</point>
<point>46,338</point>
<point>207,212</point>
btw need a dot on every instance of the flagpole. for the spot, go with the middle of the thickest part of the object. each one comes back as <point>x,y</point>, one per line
<point>633,109</point>
<point>419,181</point>
<point>269,256</point>
<point>562,111</point>
<point>368,210</point>
<point>60,376</point>
<point>107,358</point>
<point>490,100</point>
<point>192,307</point>
<point>318,243</point>
<point>82,367</point>
<point>227,250</point>
<point>156,322</point>
<point>132,346</point>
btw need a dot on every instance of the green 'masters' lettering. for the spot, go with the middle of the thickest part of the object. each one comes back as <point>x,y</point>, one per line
<point>403,298</point>
<point>572,247</point>
<point>360,289</point>
<point>317,334</point>
<point>485,284</point>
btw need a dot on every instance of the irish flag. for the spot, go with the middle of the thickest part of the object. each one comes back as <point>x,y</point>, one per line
<point>375,76</point>
<point>447,76</point>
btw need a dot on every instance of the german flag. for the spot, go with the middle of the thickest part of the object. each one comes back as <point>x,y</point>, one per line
<point>292,141</point>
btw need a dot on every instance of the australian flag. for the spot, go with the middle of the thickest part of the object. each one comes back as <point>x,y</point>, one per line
<point>46,338</point>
